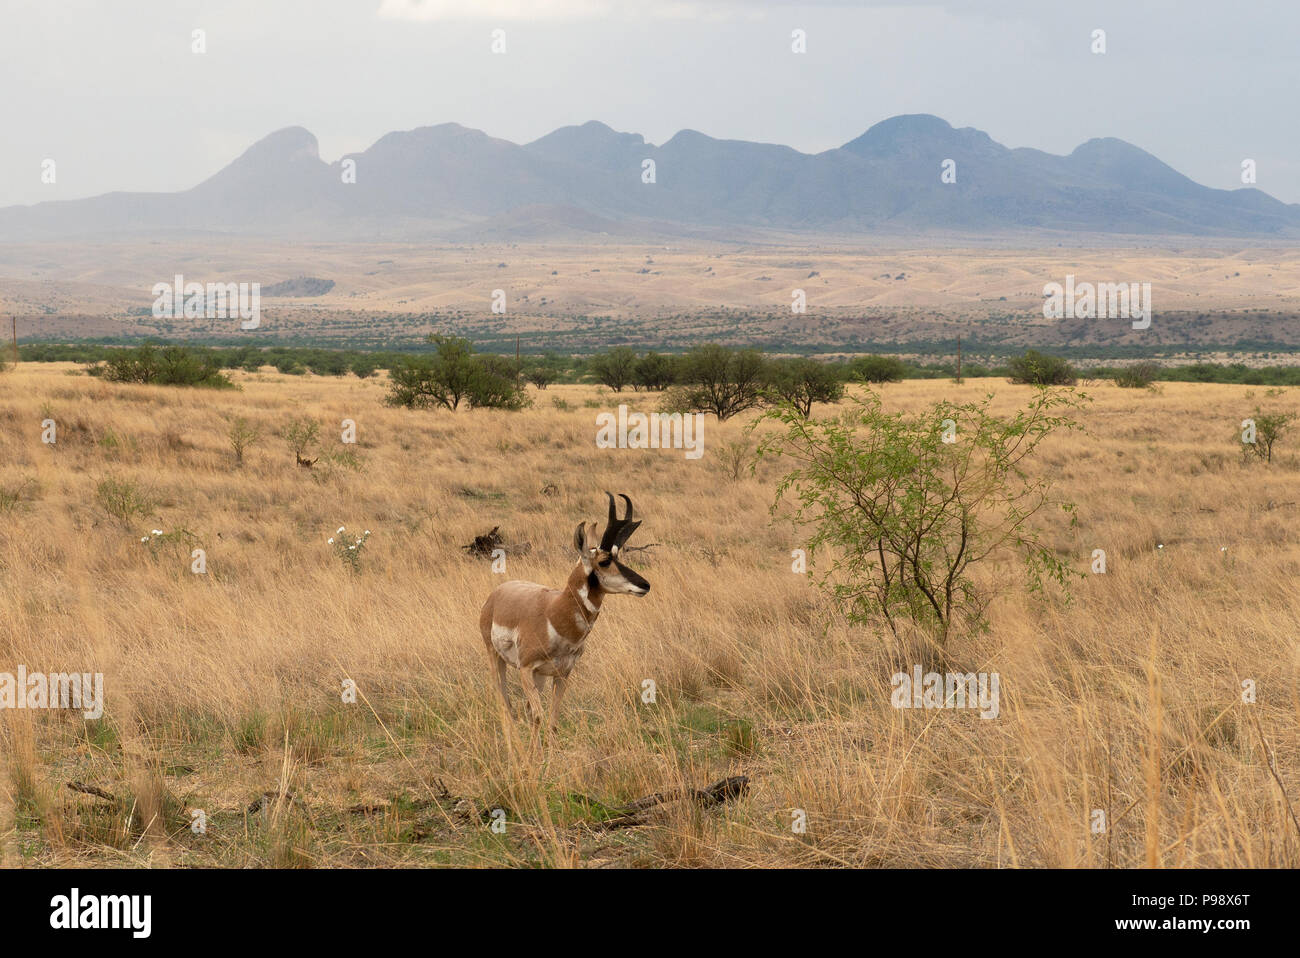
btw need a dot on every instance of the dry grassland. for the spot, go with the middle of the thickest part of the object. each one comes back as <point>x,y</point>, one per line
<point>223,690</point>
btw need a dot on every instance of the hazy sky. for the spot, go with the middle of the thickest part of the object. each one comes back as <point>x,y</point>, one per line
<point>112,92</point>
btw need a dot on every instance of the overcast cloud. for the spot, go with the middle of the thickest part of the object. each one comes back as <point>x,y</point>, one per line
<point>113,93</point>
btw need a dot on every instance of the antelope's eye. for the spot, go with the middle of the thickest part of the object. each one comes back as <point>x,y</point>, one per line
<point>605,562</point>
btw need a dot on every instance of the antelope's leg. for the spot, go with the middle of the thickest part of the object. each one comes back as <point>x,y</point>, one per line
<point>557,693</point>
<point>500,664</point>
<point>532,682</point>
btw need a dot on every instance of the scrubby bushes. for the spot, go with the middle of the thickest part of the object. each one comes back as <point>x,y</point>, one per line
<point>242,435</point>
<point>1262,431</point>
<point>878,369</point>
<point>1039,369</point>
<point>455,374</point>
<point>655,371</point>
<point>718,380</point>
<point>170,366</point>
<point>721,380</point>
<point>616,368</point>
<point>802,382</point>
<point>539,375</point>
<point>1137,376</point>
<point>897,517</point>
<point>122,498</point>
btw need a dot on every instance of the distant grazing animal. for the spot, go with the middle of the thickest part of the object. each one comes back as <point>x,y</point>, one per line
<point>306,463</point>
<point>541,631</point>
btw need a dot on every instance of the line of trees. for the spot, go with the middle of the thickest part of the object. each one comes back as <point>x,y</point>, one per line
<point>624,368</point>
<point>291,360</point>
<point>710,378</point>
<point>729,376</point>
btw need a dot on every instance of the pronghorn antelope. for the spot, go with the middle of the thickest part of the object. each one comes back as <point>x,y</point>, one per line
<point>541,631</point>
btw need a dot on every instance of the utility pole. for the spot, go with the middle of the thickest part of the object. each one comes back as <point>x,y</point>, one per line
<point>958,360</point>
<point>15,321</point>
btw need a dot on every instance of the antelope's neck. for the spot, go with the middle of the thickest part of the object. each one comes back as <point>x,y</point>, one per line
<point>586,591</point>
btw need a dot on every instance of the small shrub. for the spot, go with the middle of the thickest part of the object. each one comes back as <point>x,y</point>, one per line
<point>1269,430</point>
<point>175,545</point>
<point>898,516</point>
<point>349,550</point>
<point>122,498</point>
<point>539,375</point>
<point>242,435</point>
<point>1039,369</point>
<point>878,369</point>
<point>302,436</point>
<point>1138,376</point>
<point>735,459</point>
<point>333,460</point>
<point>11,496</point>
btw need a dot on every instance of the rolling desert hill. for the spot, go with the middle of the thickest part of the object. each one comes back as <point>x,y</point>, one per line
<point>585,295</point>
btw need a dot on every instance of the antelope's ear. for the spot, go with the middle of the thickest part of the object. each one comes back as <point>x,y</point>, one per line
<point>578,535</point>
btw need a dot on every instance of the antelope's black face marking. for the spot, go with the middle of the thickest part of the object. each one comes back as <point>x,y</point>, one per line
<point>638,583</point>
<point>614,577</point>
<point>602,561</point>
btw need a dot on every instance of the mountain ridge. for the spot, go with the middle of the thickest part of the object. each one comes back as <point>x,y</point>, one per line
<point>445,180</point>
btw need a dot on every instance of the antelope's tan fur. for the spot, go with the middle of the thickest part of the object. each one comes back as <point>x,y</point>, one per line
<point>542,631</point>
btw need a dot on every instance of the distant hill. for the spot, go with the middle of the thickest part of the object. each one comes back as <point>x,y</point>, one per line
<point>452,182</point>
<point>300,286</point>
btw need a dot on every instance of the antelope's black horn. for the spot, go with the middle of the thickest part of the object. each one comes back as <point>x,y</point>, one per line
<point>617,530</point>
<point>624,532</point>
<point>611,525</point>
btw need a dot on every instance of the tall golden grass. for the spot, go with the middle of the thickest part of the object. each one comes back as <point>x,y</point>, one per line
<point>224,690</point>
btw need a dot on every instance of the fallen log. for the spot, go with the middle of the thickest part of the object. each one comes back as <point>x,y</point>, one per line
<point>634,812</point>
<point>485,544</point>
<point>488,543</point>
<point>93,790</point>
<point>649,545</point>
